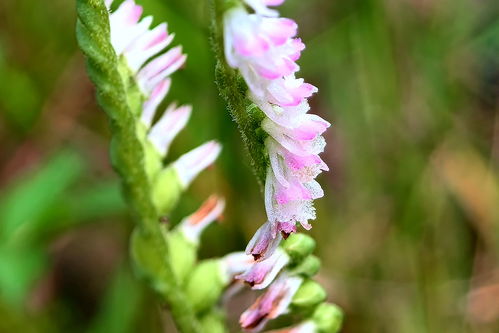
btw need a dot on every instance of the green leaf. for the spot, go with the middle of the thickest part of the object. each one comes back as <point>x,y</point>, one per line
<point>120,306</point>
<point>18,270</point>
<point>23,207</point>
<point>96,201</point>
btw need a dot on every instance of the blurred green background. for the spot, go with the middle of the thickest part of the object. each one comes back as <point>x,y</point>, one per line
<point>408,231</point>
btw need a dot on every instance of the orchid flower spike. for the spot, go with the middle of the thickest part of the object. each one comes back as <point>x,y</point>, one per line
<point>140,46</point>
<point>193,225</point>
<point>264,48</point>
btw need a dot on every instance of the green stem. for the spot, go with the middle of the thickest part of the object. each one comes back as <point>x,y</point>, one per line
<point>127,151</point>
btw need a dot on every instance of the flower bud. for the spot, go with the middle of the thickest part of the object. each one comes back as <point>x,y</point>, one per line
<point>153,161</point>
<point>182,254</point>
<point>213,322</point>
<point>309,294</point>
<point>328,318</point>
<point>308,267</point>
<point>298,246</point>
<point>166,189</point>
<point>205,284</point>
<point>183,241</point>
<point>147,261</point>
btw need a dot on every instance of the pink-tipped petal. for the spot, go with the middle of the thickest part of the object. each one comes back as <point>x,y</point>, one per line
<point>161,67</point>
<point>285,138</point>
<point>193,225</point>
<point>286,228</point>
<point>157,95</point>
<point>295,191</point>
<point>273,2</point>
<point>168,126</point>
<point>189,165</point>
<point>236,263</point>
<point>250,45</point>
<point>150,43</point>
<point>263,244</point>
<point>295,48</point>
<point>279,30</point>
<point>271,304</point>
<point>262,273</point>
<point>125,28</point>
<point>290,91</point>
<point>311,127</point>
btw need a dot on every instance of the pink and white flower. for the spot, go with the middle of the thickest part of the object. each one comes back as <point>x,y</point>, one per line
<point>273,303</point>
<point>157,95</point>
<point>168,126</point>
<point>133,39</point>
<point>236,263</point>
<point>262,273</point>
<point>264,242</point>
<point>160,68</point>
<point>264,48</point>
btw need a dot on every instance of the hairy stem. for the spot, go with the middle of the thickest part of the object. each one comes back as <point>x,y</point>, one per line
<point>127,153</point>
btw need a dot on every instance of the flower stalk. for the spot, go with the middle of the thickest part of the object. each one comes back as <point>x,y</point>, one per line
<point>129,93</point>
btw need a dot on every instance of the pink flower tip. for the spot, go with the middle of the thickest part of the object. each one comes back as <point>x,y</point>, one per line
<point>211,210</point>
<point>189,165</point>
<point>274,302</point>
<point>263,244</point>
<point>262,273</point>
<point>166,129</point>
